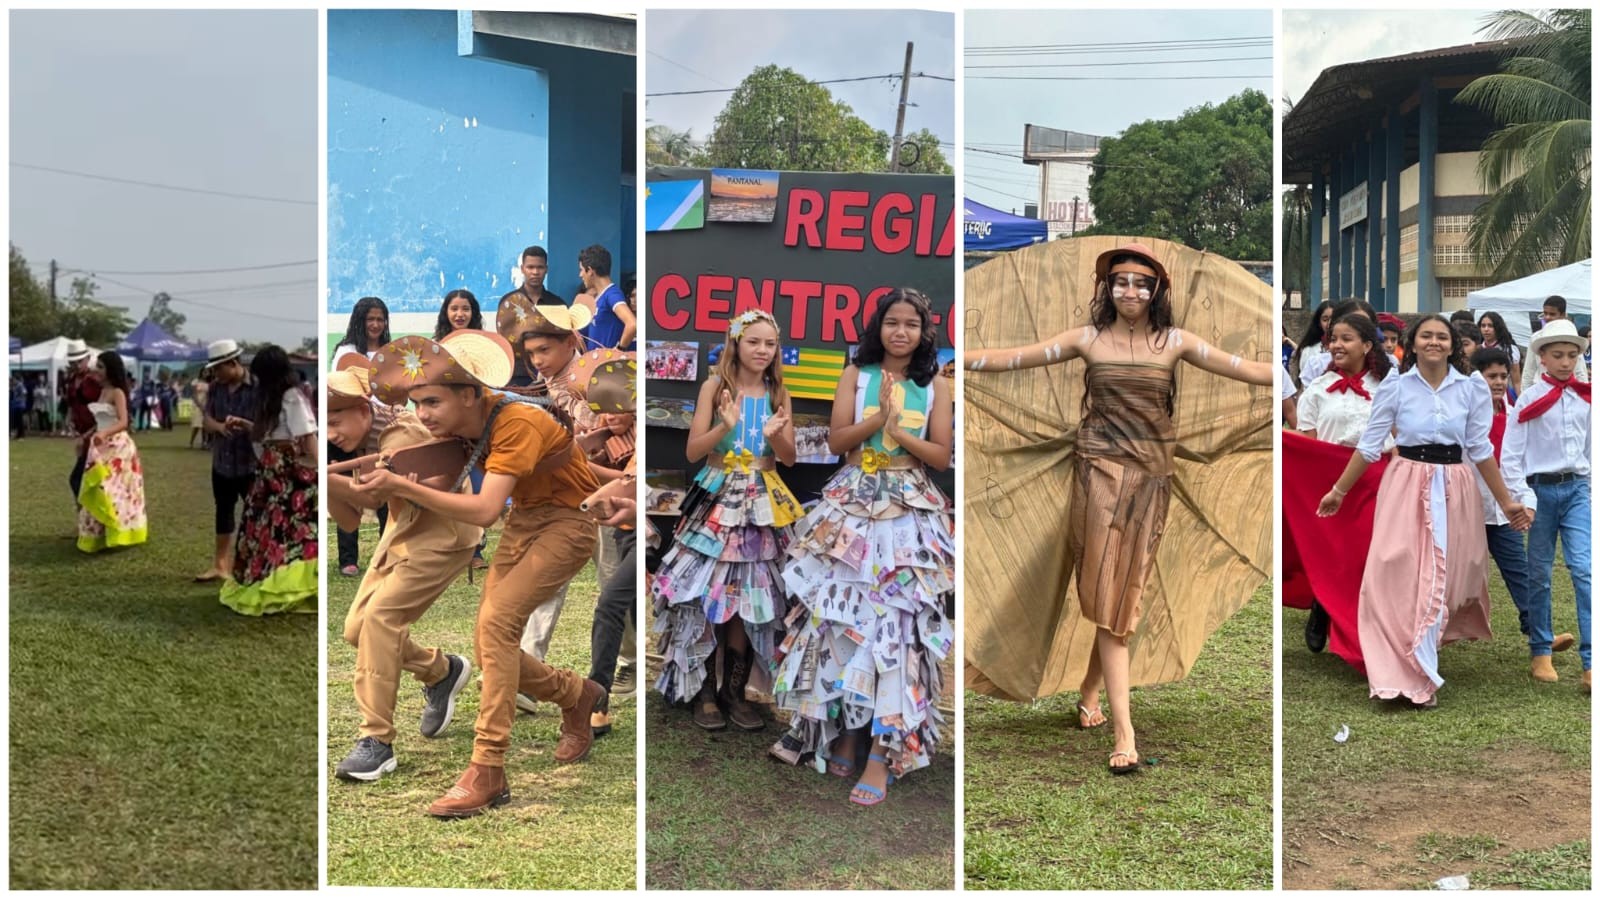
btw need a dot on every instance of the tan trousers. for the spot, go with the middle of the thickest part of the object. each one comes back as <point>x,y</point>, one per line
<point>542,623</point>
<point>378,625</point>
<point>539,551</point>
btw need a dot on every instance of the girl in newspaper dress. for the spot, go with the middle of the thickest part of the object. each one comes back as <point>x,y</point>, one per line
<point>719,601</point>
<point>871,565</point>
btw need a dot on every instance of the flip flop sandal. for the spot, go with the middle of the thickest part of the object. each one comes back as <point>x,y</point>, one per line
<point>876,793</point>
<point>838,767</point>
<point>1088,718</point>
<point>1131,754</point>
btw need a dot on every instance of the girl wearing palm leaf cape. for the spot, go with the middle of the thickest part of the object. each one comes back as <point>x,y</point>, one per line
<point>1124,459</point>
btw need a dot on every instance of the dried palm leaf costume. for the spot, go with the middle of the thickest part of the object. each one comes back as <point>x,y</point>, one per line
<point>1160,496</point>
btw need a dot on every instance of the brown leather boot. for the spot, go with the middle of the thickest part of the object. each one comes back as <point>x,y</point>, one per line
<point>740,711</point>
<point>707,714</point>
<point>481,788</point>
<point>577,734</point>
<point>1562,643</point>
<point>1542,670</point>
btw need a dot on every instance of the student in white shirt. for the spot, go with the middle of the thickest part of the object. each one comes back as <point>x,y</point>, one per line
<point>1310,359</point>
<point>1336,405</point>
<point>1547,468</point>
<point>1497,336</point>
<point>1555,310</point>
<point>1425,583</point>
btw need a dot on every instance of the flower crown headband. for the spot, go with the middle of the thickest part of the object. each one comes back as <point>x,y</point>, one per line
<point>747,318</point>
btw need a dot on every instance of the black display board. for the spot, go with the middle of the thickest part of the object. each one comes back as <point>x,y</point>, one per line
<point>836,244</point>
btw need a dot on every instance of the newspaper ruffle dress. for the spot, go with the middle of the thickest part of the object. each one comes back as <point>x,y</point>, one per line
<point>724,561</point>
<point>870,567</point>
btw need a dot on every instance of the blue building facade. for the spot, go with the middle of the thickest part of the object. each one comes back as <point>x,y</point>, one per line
<point>456,139</point>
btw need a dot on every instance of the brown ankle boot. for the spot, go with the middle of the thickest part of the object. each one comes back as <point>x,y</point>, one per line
<point>1542,670</point>
<point>1562,643</point>
<point>707,715</point>
<point>740,711</point>
<point>481,788</point>
<point>577,734</point>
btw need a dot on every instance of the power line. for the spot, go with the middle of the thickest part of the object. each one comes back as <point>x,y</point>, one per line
<point>1143,63</point>
<point>683,67</point>
<point>1121,46</point>
<point>1114,77</point>
<point>210,306</point>
<point>199,271</point>
<point>997,190</point>
<point>728,90</point>
<point>159,186</point>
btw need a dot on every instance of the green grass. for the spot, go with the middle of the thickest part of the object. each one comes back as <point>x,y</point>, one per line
<point>1498,773</point>
<point>720,814</point>
<point>567,827</point>
<point>158,740</point>
<point>1044,814</point>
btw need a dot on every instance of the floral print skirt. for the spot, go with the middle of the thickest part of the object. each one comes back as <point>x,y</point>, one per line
<point>275,555</point>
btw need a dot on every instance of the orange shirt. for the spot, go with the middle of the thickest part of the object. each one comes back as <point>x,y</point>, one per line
<point>523,436</point>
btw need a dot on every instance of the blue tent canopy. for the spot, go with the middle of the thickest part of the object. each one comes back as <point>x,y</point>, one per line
<point>148,343</point>
<point>16,345</point>
<point>991,229</point>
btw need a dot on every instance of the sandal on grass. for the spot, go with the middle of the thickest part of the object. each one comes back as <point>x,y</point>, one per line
<point>838,767</point>
<point>1090,717</point>
<point>875,794</point>
<point>1130,761</point>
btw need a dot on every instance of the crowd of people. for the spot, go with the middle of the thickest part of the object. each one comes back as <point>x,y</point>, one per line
<point>436,436</point>
<point>152,402</point>
<point>1483,450</point>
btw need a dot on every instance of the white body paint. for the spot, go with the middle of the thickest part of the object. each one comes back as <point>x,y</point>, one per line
<point>1234,361</point>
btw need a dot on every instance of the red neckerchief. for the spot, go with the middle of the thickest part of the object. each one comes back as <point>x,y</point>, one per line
<point>1497,427</point>
<point>1351,383</point>
<point>1542,405</point>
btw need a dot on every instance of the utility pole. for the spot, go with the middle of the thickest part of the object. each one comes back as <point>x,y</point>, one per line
<point>900,117</point>
<point>52,281</point>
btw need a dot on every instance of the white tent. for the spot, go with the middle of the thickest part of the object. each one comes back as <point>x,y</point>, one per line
<point>1515,300</point>
<point>49,357</point>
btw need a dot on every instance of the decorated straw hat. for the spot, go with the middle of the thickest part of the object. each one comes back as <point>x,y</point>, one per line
<point>462,358</point>
<point>1559,331</point>
<point>606,379</point>
<point>517,317</point>
<point>1103,269</point>
<point>348,387</point>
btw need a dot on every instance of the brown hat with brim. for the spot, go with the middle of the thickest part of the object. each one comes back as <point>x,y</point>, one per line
<point>1103,267</point>
<point>347,389</point>
<point>518,317</point>
<point>607,379</point>
<point>462,358</point>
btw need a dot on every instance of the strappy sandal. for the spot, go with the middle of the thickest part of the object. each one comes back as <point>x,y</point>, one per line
<point>876,793</point>
<point>839,767</point>
<point>1132,757</point>
<point>1088,718</point>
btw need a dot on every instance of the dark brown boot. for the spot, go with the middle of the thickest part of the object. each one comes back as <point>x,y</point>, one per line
<point>577,734</point>
<point>481,788</point>
<point>740,711</point>
<point>707,715</point>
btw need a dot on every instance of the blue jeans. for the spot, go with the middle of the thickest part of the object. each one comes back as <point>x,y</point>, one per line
<point>1511,557</point>
<point>1562,509</point>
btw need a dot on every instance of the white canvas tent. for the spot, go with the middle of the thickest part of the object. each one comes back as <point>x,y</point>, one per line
<point>49,357</point>
<point>1514,300</point>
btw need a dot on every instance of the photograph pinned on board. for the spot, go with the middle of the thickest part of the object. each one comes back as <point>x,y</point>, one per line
<point>671,360</point>
<point>739,195</point>
<point>1425,603</point>
<point>811,440</point>
<point>947,363</point>
<point>675,205</point>
<point>668,412</point>
<point>665,490</point>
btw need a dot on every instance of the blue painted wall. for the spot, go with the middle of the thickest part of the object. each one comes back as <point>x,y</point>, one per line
<point>448,154</point>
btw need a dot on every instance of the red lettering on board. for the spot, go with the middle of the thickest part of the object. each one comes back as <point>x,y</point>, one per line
<point>840,218</point>
<point>805,210</point>
<point>892,236</point>
<point>712,302</point>
<point>667,288</point>
<point>746,296</point>
<point>947,241</point>
<point>842,306</point>
<point>800,294</point>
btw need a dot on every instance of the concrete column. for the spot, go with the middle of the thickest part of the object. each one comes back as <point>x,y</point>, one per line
<point>1428,299</point>
<point>1375,174</point>
<point>1335,235</point>
<point>1319,204</point>
<point>1358,234</point>
<point>1396,137</point>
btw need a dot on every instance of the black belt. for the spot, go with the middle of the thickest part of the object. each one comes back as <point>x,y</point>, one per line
<point>1557,477</point>
<point>1433,453</point>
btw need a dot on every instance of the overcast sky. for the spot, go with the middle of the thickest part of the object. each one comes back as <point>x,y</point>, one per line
<point>223,101</point>
<point>1110,90</point>
<point>1313,40</point>
<point>691,50</point>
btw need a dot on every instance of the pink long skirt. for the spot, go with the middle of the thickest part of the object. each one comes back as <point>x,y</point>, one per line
<point>1426,583</point>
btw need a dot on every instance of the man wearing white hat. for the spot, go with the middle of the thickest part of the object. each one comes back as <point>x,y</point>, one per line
<point>83,388</point>
<point>1555,310</point>
<point>229,407</point>
<point>1546,464</point>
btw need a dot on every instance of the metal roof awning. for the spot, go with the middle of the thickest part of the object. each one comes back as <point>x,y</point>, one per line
<point>602,32</point>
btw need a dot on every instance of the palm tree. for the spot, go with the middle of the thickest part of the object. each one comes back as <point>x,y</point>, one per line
<point>1537,166</point>
<point>1298,252</point>
<point>664,145</point>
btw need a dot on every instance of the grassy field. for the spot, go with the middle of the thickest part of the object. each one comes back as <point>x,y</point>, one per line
<point>720,814</point>
<point>158,740</point>
<point>567,827</point>
<point>1044,814</point>
<point>1494,783</point>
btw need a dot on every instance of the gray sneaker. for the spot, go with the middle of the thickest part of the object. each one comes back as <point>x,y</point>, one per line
<point>527,705</point>
<point>626,683</point>
<point>439,700</point>
<point>368,761</point>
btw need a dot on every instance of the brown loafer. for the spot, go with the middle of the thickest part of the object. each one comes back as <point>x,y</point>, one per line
<point>577,735</point>
<point>481,788</point>
<point>1562,643</point>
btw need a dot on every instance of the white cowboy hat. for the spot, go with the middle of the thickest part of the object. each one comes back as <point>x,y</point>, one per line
<point>1559,331</point>
<point>221,351</point>
<point>77,350</point>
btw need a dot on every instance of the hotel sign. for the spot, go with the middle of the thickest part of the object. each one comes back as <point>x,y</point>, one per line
<point>1353,206</point>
